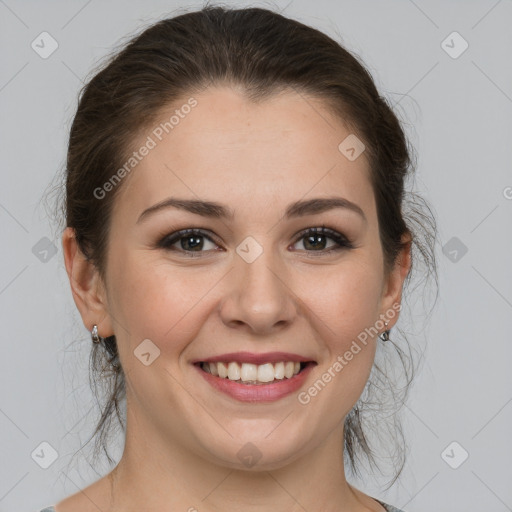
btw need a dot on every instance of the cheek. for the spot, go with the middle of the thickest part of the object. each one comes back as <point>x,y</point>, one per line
<point>347,300</point>
<point>156,303</point>
<point>345,305</point>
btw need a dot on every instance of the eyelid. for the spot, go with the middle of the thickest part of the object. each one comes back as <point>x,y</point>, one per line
<point>323,230</point>
<point>342,242</point>
<point>169,239</point>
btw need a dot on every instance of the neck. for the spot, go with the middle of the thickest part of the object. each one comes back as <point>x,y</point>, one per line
<point>157,473</point>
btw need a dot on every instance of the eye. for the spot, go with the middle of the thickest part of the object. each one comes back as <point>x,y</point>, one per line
<point>315,240</point>
<point>188,241</point>
<point>192,242</point>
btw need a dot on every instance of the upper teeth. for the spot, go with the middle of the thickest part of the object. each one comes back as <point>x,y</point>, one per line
<point>252,372</point>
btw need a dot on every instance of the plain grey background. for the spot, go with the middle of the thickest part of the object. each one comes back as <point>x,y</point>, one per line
<point>457,106</point>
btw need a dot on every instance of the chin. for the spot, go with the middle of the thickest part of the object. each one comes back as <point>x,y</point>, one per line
<point>258,454</point>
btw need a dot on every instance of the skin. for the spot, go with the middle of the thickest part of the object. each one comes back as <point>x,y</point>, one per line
<point>182,436</point>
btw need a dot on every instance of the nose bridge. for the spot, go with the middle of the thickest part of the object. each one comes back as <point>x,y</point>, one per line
<point>258,295</point>
<point>261,277</point>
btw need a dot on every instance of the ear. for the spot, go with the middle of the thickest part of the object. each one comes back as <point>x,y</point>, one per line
<point>86,285</point>
<point>393,285</point>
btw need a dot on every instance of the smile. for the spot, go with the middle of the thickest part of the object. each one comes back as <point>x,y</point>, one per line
<point>249,373</point>
<point>249,382</point>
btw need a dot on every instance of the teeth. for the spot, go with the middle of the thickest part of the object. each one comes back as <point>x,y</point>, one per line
<point>253,373</point>
<point>265,372</point>
<point>288,369</point>
<point>213,369</point>
<point>248,372</point>
<point>222,370</point>
<point>279,371</point>
<point>233,371</point>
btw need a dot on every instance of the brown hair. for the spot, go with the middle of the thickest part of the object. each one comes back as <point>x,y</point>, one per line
<point>261,52</point>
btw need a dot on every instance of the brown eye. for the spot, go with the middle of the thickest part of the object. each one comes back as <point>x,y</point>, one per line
<point>316,240</point>
<point>187,241</point>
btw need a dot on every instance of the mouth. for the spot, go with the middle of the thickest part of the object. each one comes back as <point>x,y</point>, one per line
<point>255,378</point>
<point>251,374</point>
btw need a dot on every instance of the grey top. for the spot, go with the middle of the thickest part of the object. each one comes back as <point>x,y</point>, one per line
<point>389,508</point>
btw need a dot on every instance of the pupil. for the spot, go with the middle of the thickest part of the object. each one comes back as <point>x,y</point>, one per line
<point>196,242</point>
<point>311,241</point>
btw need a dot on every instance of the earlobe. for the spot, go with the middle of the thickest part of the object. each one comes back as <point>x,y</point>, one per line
<point>86,286</point>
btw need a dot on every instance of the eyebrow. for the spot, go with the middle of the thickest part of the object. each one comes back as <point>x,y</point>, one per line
<point>218,211</point>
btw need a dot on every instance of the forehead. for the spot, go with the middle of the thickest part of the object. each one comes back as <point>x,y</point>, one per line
<point>228,149</point>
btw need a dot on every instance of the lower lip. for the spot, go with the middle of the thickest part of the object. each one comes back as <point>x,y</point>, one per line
<point>257,392</point>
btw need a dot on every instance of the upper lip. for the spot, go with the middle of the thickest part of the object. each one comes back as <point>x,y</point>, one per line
<point>250,357</point>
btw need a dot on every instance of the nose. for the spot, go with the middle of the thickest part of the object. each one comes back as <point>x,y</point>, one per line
<point>259,298</point>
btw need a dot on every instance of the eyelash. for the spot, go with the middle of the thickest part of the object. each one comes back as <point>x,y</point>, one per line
<point>342,243</point>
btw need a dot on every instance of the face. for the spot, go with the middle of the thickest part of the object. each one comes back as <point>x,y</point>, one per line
<point>257,281</point>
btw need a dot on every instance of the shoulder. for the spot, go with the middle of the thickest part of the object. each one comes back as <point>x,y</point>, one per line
<point>389,508</point>
<point>92,498</point>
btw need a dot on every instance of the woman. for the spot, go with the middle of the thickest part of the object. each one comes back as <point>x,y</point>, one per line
<point>236,245</point>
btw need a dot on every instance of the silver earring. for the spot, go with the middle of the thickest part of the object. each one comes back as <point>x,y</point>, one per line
<point>95,336</point>
<point>385,335</point>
